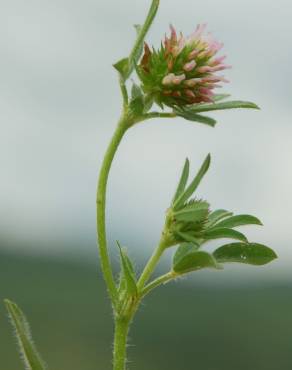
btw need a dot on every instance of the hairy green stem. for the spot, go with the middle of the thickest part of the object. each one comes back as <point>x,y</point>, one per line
<point>124,92</point>
<point>100,208</point>
<point>145,28</point>
<point>148,116</point>
<point>155,283</point>
<point>120,343</point>
<point>152,263</point>
<point>159,115</point>
<point>121,323</point>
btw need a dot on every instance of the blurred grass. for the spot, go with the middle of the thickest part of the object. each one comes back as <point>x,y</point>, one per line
<point>178,327</point>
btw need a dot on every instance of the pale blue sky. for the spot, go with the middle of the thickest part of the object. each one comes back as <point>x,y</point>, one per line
<point>59,102</point>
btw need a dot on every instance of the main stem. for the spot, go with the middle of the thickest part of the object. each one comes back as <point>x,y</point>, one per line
<point>100,208</point>
<point>122,323</point>
<point>120,343</point>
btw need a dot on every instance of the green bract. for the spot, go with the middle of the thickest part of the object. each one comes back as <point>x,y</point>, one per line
<point>27,349</point>
<point>127,276</point>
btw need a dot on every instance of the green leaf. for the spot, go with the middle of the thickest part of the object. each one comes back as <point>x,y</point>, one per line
<point>141,34</point>
<point>223,232</point>
<point>220,97</point>
<point>183,250</point>
<point>252,254</point>
<point>148,103</point>
<point>30,356</point>
<point>137,106</point>
<point>217,215</point>
<point>193,213</point>
<point>194,184</point>
<point>137,100</point>
<point>186,237</point>
<point>122,283</point>
<point>239,220</point>
<point>125,65</point>
<point>128,272</point>
<point>136,91</point>
<point>122,66</point>
<point>139,52</point>
<point>187,258</point>
<point>183,180</point>
<point>158,100</point>
<point>138,28</point>
<point>194,117</point>
<point>222,106</point>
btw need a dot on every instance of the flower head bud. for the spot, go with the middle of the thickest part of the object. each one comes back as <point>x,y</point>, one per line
<point>182,71</point>
<point>191,219</point>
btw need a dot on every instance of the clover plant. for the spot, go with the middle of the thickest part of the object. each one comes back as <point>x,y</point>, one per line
<point>179,78</point>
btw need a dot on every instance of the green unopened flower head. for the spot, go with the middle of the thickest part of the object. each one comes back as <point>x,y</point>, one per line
<point>190,219</point>
<point>184,70</point>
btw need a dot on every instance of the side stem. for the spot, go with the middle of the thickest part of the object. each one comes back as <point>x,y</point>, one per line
<point>149,268</point>
<point>155,283</point>
<point>100,208</point>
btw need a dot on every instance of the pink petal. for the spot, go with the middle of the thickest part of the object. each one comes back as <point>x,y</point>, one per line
<point>217,61</point>
<point>173,33</point>
<point>215,79</point>
<point>193,54</point>
<point>213,86</point>
<point>193,82</point>
<point>168,79</point>
<point>204,69</point>
<point>190,93</point>
<point>206,91</point>
<point>176,80</point>
<point>190,66</point>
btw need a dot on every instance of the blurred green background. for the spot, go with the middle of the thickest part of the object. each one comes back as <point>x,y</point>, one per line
<point>206,324</point>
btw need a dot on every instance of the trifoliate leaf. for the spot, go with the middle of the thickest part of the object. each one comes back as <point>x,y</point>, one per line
<point>252,254</point>
<point>239,220</point>
<point>223,232</point>
<point>128,272</point>
<point>183,180</point>
<point>194,184</point>
<point>217,215</point>
<point>222,106</point>
<point>187,258</point>
<point>29,354</point>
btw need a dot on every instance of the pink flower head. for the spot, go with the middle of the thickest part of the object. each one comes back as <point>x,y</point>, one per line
<point>183,71</point>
